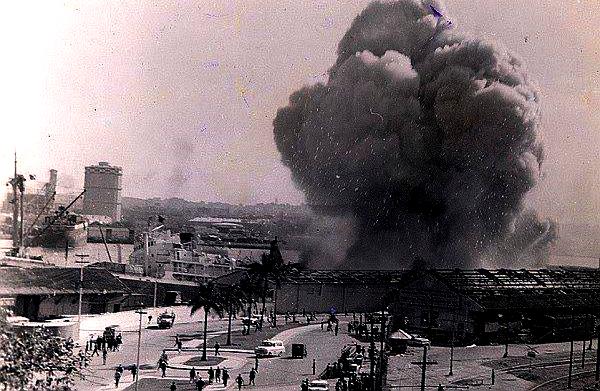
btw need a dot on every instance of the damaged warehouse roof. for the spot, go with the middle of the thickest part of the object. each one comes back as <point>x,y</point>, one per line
<point>576,289</point>
<point>59,280</point>
<point>295,276</point>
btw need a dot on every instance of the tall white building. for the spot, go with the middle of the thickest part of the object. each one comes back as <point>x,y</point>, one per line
<point>103,187</point>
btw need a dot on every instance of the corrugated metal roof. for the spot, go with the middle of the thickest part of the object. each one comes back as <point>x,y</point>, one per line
<point>295,276</point>
<point>521,288</point>
<point>59,280</point>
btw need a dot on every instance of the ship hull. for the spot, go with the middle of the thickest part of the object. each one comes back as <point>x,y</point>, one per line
<point>61,236</point>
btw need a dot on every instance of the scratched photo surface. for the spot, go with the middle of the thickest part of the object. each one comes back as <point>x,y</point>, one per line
<point>457,134</point>
<point>314,195</point>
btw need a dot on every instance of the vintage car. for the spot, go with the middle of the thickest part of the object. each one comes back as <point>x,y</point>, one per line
<point>165,320</point>
<point>418,341</point>
<point>270,348</point>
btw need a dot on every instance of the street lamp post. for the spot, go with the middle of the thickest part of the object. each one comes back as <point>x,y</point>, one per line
<point>82,262</point>
<point>137,360</point>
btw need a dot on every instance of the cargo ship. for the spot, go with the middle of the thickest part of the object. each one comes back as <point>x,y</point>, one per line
<point>60,230</point>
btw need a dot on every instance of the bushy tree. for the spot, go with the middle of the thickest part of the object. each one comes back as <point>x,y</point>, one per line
<point>34,360</point>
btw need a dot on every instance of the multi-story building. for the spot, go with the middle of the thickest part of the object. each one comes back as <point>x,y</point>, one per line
<point>103,191</point>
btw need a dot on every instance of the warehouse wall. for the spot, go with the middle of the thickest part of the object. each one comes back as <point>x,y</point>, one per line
<point>322,297</point>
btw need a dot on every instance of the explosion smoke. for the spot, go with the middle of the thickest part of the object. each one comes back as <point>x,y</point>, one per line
<point>426,138</point>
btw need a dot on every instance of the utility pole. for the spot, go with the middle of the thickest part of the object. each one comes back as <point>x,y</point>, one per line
<point>372,348</point>
<point>583,354</point>
<point>451,373</point>
<point>569,385</point>
<point>146,250</point>
<point>137,360</point>
<point>423,365</point>
<point>424,368</point>
<point>155,291</point>
<point>22,190</point>
<point>598,354</point>
<point>82,262</point>
<point>382,348</point>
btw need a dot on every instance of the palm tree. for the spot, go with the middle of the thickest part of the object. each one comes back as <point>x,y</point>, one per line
<point>270,269</point>
<point>209,299</point>
<point>233,300</point>
<point>249,288</point>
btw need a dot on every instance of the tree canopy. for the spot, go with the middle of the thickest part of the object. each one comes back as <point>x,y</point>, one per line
<point>34,359</point>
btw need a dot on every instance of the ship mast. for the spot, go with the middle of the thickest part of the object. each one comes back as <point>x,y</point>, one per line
<point>15,218</point>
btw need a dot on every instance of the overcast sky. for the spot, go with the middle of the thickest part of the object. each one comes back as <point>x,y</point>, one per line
<point>182,95</point>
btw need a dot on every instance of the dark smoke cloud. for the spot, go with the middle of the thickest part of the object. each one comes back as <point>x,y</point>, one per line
<point>426,138</point>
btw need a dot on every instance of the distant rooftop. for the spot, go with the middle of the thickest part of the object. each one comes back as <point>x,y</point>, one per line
<point>57,280</point>
<point>215,220</point>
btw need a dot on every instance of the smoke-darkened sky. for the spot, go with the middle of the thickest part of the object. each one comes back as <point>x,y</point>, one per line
<point>183,95</point>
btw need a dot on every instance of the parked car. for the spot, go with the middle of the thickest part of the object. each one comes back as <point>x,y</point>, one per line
<point>417,340</point>
<point>318,385</point>
<point>270,348</point>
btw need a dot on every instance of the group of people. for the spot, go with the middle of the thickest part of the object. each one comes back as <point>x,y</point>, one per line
<point>119,373</point>
<point>353,383</point>
<point>239,380</point>
<point>107,341</point>
<point>101,344</point>
<point>333,324</point>
<point>214,376</point>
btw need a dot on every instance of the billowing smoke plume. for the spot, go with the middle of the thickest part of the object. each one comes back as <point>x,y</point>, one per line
<point>426,138</point>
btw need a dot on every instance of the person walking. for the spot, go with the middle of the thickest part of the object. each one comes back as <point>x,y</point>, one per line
<point>192,374</point>
<point>118,342</point>
<point>252,377</point>
<point>104,354</point>
<point>218,375</point>
<point>211,375</point>
<point>134,371</point>
<point>217,347</point>
<point>97,344</point>
<point>117,377</point>
<point>179,346</point>
<point>173,386</point>
<point>240,381</point>
<point>163,368</point>
<point>225,377</point>
<point>200,384</point>
<point>337,328</point>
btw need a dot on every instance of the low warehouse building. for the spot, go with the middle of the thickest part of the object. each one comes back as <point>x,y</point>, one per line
<point>482,306</point>
<point>42,293</point>
<point>320,291</point>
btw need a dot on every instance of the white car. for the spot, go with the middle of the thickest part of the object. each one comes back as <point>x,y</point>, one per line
<point>418,341</point>
<point>318,385</point>
<point>270,348</point>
